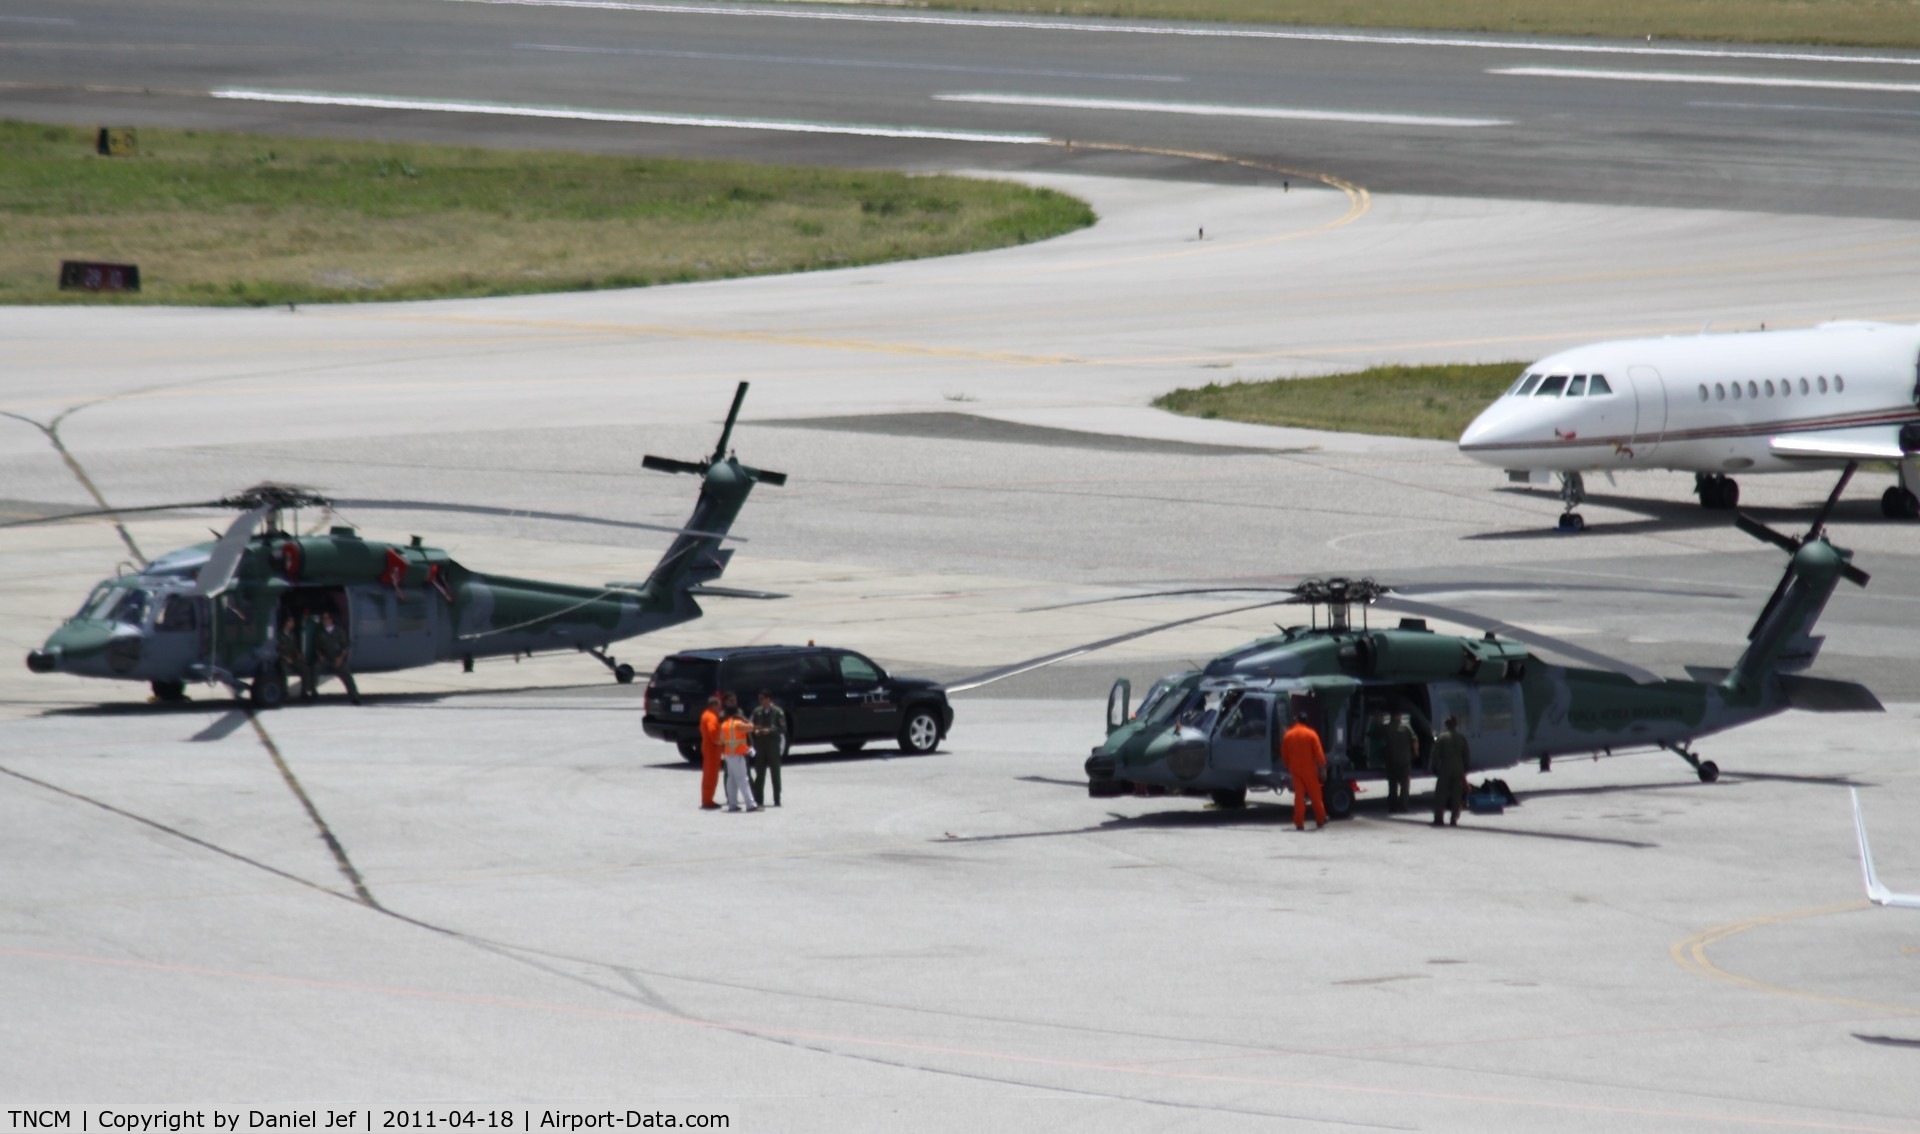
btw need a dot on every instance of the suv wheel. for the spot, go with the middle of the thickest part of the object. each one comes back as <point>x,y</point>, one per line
<point>920,733</point>
<point>690,751</point>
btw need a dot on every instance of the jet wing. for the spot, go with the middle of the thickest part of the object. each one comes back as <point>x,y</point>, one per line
<point>1858,443</point>
<point>1877,893</point>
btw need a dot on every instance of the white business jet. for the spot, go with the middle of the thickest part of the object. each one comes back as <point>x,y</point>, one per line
<point>1751,402</point>
<point>1877,893</point>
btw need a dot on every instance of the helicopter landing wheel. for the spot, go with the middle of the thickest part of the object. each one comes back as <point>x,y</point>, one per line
<point>623,673</point>
<point>1230,799</point>
<point>1338,797</point>
<point>168,692</point>
<point>1709,771</point>
<point>268,691</point>
<point>1899,504</point>
<point>1572,522</point>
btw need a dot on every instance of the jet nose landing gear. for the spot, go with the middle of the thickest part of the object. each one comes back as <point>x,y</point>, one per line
<point>1572,491</point>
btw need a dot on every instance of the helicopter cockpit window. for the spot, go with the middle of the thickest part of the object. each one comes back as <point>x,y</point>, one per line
<point>129,607</point>
<point>176,613</point>
<point>1247,721</point>
<point>96,605</point>
<point>1551,387</point>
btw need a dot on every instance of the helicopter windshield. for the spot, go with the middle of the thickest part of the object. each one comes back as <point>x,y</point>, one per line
<point>117,604</point>
<point>88,608</point>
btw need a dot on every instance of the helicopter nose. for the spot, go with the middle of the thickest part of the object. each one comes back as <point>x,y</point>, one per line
<point>43,661</point>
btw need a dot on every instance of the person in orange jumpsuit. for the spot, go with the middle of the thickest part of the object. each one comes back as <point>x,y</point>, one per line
<point>1300,751</point>
<point>710,753</point>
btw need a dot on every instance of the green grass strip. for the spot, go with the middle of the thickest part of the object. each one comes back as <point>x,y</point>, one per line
<point>1436,402</point>
<point>235,219</point>
<point>1858,23</point>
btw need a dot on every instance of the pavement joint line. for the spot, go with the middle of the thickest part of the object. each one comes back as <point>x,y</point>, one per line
<point>1217,31</point>
<point>1690,953</point>
<point>52,433</point>
<point>326,833</point>
<point>1058,1063</point>
<point>175,832</point>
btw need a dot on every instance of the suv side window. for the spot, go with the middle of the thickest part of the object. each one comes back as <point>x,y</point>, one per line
<point>856,670</point>
<point>816,669</point>
<point>767,671</point>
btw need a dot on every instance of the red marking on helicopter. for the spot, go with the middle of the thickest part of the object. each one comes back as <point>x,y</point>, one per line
<point>395,570</point>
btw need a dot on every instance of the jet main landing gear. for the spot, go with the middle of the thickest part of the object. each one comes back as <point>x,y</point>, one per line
<point>1717,491</point>
<point>1572,491</point>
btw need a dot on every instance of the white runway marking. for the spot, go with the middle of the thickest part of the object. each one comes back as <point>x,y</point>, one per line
<point>1802,109</point>
<point>1714,80</point>
<point>1214,32</point>
<point>1221,110</point>
<point>875,64</point>
<point>383,102</point>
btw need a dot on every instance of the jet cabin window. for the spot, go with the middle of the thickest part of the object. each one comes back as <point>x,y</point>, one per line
<point>1551,387</point>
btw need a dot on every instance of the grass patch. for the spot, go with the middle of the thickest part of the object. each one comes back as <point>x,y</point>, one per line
<point>1863,23</point>
<point>235,219</point>
<point>1436,402</point>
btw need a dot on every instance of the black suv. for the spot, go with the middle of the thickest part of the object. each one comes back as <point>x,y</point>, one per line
<point>831,696</point>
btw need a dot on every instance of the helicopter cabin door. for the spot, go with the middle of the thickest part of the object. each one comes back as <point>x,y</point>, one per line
<point>1500,729</point>
<point>1243,742</point>
<point>393,631</point>
<point>180,634</point>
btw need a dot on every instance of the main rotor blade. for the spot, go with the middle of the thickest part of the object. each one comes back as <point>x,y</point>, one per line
<point>1522,634</point>
<point>217,573</point>
<point>668,464</point>
<point>529,514</point>
<point>1041,662</point>
<point>111,512</point>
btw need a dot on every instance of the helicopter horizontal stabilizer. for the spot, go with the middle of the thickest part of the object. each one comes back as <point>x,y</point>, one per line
<point>1708,674</point>
<point>702,590</point>
<point>1825,695</point>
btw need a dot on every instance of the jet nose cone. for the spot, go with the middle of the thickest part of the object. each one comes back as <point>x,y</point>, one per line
<point>1494,427</point>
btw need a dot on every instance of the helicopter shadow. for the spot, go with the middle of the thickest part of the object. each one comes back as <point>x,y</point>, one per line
<point>1666,516</point>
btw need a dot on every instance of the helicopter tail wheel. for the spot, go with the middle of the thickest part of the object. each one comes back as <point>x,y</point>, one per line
<point>269,690</point>
<point>623,673</point>
<point>1573,522</point>
<point>1709,771</point>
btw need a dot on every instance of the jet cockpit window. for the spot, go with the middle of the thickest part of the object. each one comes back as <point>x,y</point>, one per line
<point>1524,385</point>
<point>1597,385</point>
<point>1577,386</point>
<point>1551,387</point>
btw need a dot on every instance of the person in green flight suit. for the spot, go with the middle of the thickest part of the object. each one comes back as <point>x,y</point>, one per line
<point>1450,758</point>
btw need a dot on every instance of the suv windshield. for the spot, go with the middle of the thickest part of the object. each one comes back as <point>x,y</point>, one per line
<point>685,675</point>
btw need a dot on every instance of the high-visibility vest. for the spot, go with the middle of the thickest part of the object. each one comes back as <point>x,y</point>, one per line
<point>733,737</point>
